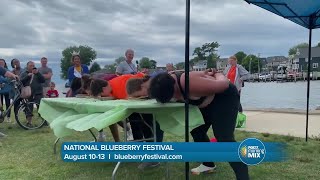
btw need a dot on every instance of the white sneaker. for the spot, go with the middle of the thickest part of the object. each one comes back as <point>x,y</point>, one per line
<point>101,137</point>
<point>2,135</point>
<point>7,119</point>
<point>129,135</point>
<point>202,169</point>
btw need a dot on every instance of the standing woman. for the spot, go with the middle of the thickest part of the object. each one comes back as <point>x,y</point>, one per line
<point>78,69</point>
<point>5,89</point>
<point>16,70</point>
<point>218,100</point>
<point>236,74</point>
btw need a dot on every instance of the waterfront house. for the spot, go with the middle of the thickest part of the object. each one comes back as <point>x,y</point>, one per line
<point>273,62</point>
<point>301,59</point>
<point>222,63</point>
<point>200,65</point>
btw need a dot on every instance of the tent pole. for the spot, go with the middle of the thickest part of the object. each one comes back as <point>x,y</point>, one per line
<point>308,75</point>
<point>186,64</point>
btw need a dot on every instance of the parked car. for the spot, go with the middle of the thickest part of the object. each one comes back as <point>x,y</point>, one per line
<point>264,76</point>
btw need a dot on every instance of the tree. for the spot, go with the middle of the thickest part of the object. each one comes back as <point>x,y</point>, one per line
<point>199,53</point>
<point>145,63</point>
<point>206,52</point>
<point>153,64</point>
<point>120,59</point>
<point>293,50</point>
<point>254,63</point>
<point>240,56</point>
<point>179,65</point>
<point>95,67</point>
<point>111,68</point>
<point>212,61</point>
<point>87,55</point>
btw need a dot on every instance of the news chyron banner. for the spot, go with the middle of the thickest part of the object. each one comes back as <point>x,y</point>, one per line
<point>251,151</point>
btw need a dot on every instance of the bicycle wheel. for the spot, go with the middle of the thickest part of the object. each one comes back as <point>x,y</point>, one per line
<point>27,116</point>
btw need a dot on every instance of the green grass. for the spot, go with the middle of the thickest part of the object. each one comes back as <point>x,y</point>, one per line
<point>29,155</point>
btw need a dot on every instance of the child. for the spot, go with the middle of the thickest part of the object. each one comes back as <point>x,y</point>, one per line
<point>52,93</point>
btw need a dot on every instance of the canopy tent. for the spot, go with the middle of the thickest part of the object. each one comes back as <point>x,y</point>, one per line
<point>305,13</point>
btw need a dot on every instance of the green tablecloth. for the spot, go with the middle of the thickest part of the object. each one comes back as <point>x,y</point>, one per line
<point>80,114</point>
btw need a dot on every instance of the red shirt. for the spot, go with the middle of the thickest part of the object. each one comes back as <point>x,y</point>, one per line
<point>232,74</point>
<point>52,94</point>
<point>119,83</point>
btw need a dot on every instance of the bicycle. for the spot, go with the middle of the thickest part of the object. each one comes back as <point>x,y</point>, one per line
<point>25,107</point>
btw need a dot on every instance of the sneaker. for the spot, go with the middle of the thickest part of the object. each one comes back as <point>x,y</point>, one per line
<point>7,119</point>
<point>2,135</point>
<point>202,169</point>
<point>101,137</point>
<point>144,165</point>
<point>29,125</point>
<point>129,135</point>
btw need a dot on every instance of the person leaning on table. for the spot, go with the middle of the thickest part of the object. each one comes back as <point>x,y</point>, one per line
<point>117,88</point>
<point>84,90</point>
<point>218,101</point>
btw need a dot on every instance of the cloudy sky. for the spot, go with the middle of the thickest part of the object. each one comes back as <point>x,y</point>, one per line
<point>153,28</point>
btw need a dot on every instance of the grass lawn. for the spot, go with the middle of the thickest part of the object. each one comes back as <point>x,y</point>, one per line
<point>29,155</point>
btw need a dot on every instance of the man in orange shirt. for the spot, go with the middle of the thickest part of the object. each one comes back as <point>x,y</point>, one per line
<point>118,85</point>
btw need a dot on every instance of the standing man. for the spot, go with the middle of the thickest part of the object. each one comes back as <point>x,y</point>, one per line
<point>127,66</point>
<point>47,74</point>
<point>236,75</point>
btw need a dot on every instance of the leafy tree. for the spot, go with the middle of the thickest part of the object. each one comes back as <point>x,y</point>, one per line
<point>87,55</point>
<point>254,63</point>
<point>153,64</point>
<point>240,56</point>
<point>199,52</point>
<point>95,67</point>
<point>111,68</point>
<point>120,59</point>
<point>180,65</point>
<point>207,51</point>
<point>212,61</point>
<point>145,63</point>
<point>293,50</point>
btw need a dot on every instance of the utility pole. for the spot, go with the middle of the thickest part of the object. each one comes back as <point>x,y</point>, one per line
<point>259,63</point>
<point>250,67</point>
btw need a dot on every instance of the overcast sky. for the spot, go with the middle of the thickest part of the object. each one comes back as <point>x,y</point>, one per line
<point>153,28</point>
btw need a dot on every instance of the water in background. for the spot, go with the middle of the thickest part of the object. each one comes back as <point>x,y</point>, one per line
<point>255,95</point>
<point>280,95</point>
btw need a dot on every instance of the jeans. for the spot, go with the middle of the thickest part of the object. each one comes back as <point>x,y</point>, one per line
<point>141,131</point>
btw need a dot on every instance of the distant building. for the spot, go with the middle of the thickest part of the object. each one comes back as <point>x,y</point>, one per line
<point>300,60</point>
<point>200,65</point>
<point>222,63</point>
<point>161,68</point>
<point>273,62</point>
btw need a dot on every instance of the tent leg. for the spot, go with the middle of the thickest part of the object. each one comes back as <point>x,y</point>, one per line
<point>187,43</point>
<point>308,80</point>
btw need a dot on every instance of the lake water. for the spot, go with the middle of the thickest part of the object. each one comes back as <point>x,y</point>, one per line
<point>280,95</point>
<point>258,95</point>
